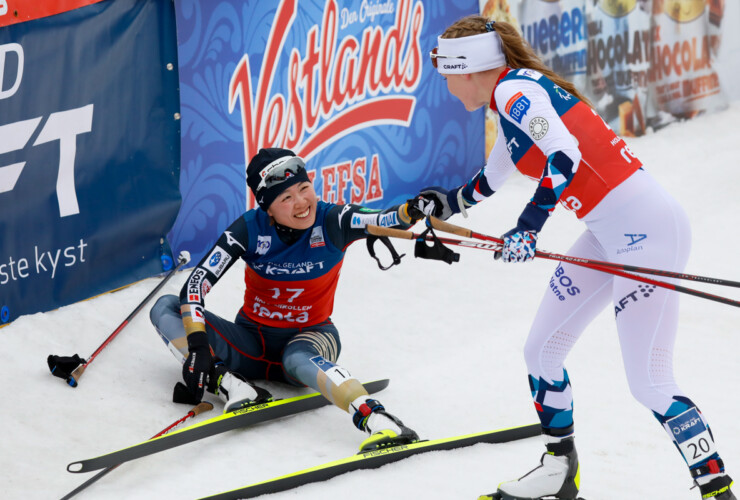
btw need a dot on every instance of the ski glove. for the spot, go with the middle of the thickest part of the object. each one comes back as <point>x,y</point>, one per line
<point>519,246</point>
<point>417,208</point>
<point>198,364</point>
<point>445,203</point>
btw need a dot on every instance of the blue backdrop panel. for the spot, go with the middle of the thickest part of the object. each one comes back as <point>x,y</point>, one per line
<point>89,152</point>
<point>347,84</point>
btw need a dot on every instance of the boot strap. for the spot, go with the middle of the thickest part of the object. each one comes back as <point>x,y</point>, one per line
<point>711,467</point>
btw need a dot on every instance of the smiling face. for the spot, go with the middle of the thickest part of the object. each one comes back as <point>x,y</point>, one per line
<point>295,207</point>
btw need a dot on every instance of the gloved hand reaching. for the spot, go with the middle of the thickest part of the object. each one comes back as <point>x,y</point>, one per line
<point>419,207</point>
<point>519,246</point>
<point>441,203</point>
<point>198,364</point>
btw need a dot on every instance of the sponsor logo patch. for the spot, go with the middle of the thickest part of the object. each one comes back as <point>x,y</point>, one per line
<point>335,373</point>
<point>517,106</point>
<point>642,292</point>
<point>197,315</point>
<point>263,244</point>
<point>232,241</point>
<point>345,209</point>
<point>635,238</point>
<point>538,127</point>
<point>217,261</point>
<point>454,66</point>
<point>692,436</point>
<point>362,220</point>
<point>530,73</point>
<point>632,246</point>
<point>388,220</point>
<point>317,237</point>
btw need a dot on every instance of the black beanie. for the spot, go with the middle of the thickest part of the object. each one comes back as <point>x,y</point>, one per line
<point>265,158</point>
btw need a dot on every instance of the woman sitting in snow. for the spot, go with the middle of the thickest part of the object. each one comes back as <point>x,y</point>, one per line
<point>294,247</point>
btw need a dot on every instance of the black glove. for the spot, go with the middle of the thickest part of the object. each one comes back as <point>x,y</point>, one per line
<point>198,364</point>
<point>419,207</point>
<point>445,203</point>
<point>63,366</point>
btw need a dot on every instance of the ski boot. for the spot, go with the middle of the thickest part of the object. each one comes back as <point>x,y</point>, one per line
<point>557,476</point>
<point>385,430</point>
<point>718,488</point>
<point>234,390</point>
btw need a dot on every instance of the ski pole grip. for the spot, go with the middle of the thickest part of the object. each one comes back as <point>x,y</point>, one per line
<point>202,407</point>
<point>75,375</point>
<point>388,231</point>
<point>449,228</point>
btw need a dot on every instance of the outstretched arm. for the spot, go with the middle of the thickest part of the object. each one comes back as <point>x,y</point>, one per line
<point>347,223</point>
<point>484,183</point>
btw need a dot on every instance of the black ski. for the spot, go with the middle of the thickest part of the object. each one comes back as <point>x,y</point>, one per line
<point>240,418</point>
<point>375,459</point>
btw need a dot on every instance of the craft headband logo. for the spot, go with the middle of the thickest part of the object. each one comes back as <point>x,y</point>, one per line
<point>336,87</point>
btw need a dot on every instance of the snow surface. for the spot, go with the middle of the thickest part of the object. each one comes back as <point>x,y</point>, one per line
<point>450,339</point>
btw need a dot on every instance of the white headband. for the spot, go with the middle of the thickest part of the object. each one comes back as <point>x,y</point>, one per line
<point>469,54</point>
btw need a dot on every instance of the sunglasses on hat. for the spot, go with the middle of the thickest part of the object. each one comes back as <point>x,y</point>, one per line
<point>434,56</point>
<point>279,171</point>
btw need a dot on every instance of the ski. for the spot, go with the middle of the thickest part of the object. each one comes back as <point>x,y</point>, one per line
<point>375,459</point>
<point>233,420</point>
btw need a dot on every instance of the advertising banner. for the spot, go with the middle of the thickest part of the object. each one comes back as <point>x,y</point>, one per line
<point>346,85</point>
<point>620,48</point>
<point>89,152</point>
<point>18,11</point>
<point>687,36</point>
<point>642,63</point>
<point>556,29</point>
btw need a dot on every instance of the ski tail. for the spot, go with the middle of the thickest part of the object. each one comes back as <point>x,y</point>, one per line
<point>374,459</point>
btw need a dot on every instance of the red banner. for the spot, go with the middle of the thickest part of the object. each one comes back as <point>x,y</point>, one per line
<point>18,11</point>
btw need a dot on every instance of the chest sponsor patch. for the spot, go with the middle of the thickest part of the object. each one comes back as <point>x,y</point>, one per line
<point>263,244</point>
<point>317,237</point>
<point>517,107</point>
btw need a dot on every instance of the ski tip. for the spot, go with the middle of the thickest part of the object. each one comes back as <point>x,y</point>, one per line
<point>74,467</point>
<point>377,385</point>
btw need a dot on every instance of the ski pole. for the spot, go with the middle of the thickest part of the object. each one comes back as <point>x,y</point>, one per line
<point>467,233</point>
<point>497,244</point>
<point>71,368</point>
<point>201,407</point>
<point>607,267</point>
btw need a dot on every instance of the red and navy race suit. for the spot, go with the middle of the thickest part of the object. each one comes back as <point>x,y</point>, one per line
<point>550,136</point>
<point>288,285</point>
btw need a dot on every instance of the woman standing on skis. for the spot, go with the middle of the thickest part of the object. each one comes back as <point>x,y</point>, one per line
<point>294,247</point>
<point>548,131</point>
